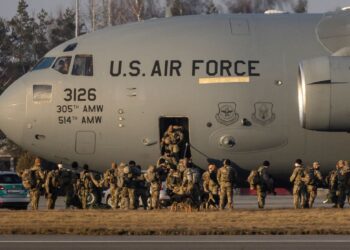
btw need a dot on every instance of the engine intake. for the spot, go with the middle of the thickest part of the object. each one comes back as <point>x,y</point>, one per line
<point>324,93</point>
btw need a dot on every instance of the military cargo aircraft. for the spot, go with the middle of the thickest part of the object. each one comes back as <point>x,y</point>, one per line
<point>245,87</point>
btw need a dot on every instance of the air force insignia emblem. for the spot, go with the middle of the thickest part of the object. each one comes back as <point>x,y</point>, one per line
<point>227,113</point>
<point>263,113</point>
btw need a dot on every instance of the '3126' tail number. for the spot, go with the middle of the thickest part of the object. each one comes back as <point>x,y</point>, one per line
<point>80,95</point>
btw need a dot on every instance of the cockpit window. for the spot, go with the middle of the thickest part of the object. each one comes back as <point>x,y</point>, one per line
<point>44,63</point>
<point>62,64</point>
<point>83,66</point>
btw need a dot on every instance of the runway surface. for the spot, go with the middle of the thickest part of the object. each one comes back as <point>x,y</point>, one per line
<point>174,242</point>
<point>240,201</point>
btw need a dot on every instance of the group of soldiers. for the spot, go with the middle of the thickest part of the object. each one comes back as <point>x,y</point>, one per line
<point>307,180</point>
<point>186,184</point>
<point>69,182</point>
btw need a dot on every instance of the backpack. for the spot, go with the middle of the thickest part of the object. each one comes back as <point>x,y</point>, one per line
<point>32,179</point>
<point>225,174</point>
<point>309,176</point>
<point>26,176</point>
<point>55,179</point>
<point>196,176</point>
<point>253,178</point>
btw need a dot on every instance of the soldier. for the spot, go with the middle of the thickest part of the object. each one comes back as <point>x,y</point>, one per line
<point>71,187</point>
<point>168,159</point>
<point>110,180</point>
<point>141,191</point>
<point>263,183</point>
<point>332,182</point>
<point>312,179</point>
<point>52,184</point>
<point>33,179</point>
<point>211,186</point>
<point>174,182</point>
<point>342,180</point>
<point>120,200</point>
<point>191,182</point>
<point>86,186</point>
<point>130,173</point>
<point>227,176</point>
<point>172,140</point>
<point>163,168</point>
<point>152,177</point>
<point>299,192</point>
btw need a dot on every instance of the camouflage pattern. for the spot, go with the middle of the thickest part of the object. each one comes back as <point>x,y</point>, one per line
<point>71,189</point>
<point>153,178</point>
<point>313,179</point>
<point>226,177</point>
<point>36,181</point>
<point>85,186</point>
<point>211,186</point>
<point>172,140</point>
<point>52,184</point>
<point>299,189</point>
<point>110,181</point>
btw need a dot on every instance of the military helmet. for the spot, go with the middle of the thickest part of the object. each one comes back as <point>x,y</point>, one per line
<point>266,163</point>
<point>227,162</point>
<point>37,161</point>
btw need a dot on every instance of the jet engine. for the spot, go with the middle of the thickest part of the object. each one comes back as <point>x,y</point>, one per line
<point>324,93</point>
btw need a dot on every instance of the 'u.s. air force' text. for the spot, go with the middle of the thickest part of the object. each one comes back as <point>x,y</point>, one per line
<point>171,68</point>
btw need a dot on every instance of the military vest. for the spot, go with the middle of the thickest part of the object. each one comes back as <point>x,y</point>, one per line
<point>225,174</point>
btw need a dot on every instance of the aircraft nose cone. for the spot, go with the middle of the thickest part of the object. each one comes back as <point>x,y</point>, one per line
<point>13,111</point>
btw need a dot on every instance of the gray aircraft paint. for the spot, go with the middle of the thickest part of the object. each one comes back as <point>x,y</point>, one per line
<point>132,105</point>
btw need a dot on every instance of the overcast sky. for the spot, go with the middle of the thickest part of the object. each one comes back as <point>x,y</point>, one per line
<point>8,7</point>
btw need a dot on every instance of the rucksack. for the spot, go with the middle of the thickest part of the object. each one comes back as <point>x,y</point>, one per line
<point>26,176</point>
<point>253,178</point>
<point>309,176</point>
<point>225,174</point>
<point>33,179</point>
<point>196,176</point>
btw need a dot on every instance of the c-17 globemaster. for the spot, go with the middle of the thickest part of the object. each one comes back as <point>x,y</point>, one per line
<point>244,87</point>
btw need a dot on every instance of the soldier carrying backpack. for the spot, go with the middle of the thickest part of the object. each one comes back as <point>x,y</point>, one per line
<point>262,182</point>
<point>33,180</point>
<point>52,185</point>
<point>312,180</point>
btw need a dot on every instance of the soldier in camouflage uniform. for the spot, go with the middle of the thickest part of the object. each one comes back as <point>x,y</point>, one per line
<point>153,178</point>
<point>141,191</point>
<point>211,186</point>
<point>174,182</point>
<point>86,186</point>
<point>342,180</point>
<point>265,183</point>
<point>72,199</point>
<point>299,189</point>
<point>172,140</point>
<point>33,179</point>
<point>227,176</point>
<point>313,179</point>
<point>128,193</point>
<point>110,180</point>
<point>52,185</point>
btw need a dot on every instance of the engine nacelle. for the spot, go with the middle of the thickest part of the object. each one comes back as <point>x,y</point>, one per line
<point>324,93</point>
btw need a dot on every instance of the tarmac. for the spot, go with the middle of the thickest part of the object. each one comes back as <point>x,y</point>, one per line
<point>269,242</point>
<point>240,201</point>
<point>37,242</point>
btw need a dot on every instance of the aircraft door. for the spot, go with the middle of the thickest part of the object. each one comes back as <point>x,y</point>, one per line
<point>39,115</point>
